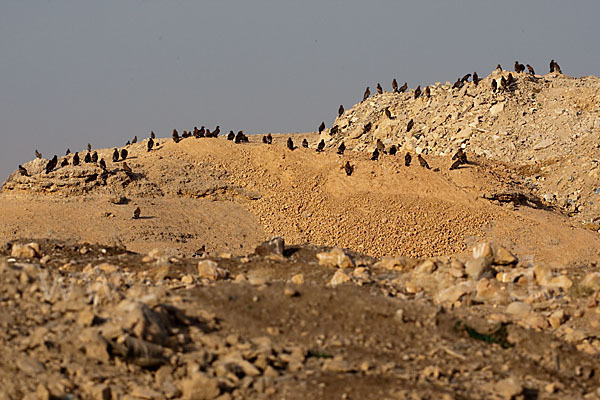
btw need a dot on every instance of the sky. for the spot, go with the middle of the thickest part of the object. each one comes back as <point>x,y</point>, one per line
<point>100,72</point>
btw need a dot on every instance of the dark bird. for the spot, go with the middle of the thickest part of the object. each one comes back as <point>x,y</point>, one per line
<point>427,92</point>
<point>87,158</point>
<point>503,83</point>
<point>530,69</point>
<point>152,135</point>
<point>367,94</point>
<point>305,143</point>
<point>176,136</point>
<point>552,66</point>
<point>202,131</point>
<point>76,159</point>
<point>334,129</point>
<point>417,92</point>
<point>134,139</point>
<point>455,165</point>
<point>269,138</point>
<point>458,84</point>
<point>499,68</point>
<point>123,154</point>
<point>102,163</point>
<point>367,127</point>
<point>392,151</point>
<point>64,162</point>
<point>290,144</point>
<point>241,138</point>
<point>556,67</point>
<point>494,85</point>
<point>340,110</point>
<point>348,168</point>
<point>230,135</point>
<point>320,146</point>
<point>95,157</point>
<point>128,143</point>
<point>395,85</point>
<point>51,164</point>
<point>126,168</point>
<point>68,152</point>
<point>375,155</point>
<point>185,134</point>
<point>341,148</point>
<point>207,133</point>
<point>403,87</point>
<point>475,78</point>
<point>321,127</point>
<point>519,67</point>
<point>89,147</point>
<point>423,162</point>
<point>23,171</point>
<point>115,156</point>
<point>136,213</point>
<point>410,125</point>
<point>510,79</point>
<point>216,131</point>
<point>460,155</point>
<point>380,146</point>
<point>387,112</point>
<point>379,88</point>
<point>150,143</point>
<point>465,78</point>
<point>264,139</point>
<point>407,159</point>
<point>38,154</point>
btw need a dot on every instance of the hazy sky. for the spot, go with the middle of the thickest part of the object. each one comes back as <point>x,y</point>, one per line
<point>79,71</point>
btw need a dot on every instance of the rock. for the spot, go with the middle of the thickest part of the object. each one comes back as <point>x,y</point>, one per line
<point>155,253</point>
<point>483,250</point>
<point>338,278</point>
<point>556,318</point>
<point>29,365</point>
<point>508,388</point>
<point>29,250</point>
<point>188,279</point>
<point>535,321</point>
<point>101,392</point>
<point>335,258</point>
<point>108,268</point>
<point>518,308</point>
<point>274,246</point>
<point>427,267</point>
<point>399,315</point>
<point>502,256</point>
<point>208,269</point>
<point>496,109</point>
<point>145,393</point>
<point>454,293</point>
<point>477,268</point>
<point>298,279</point>
<point>591,281</point>
<point>199,387</point>
<point>489,290</point>
<point>336,364</point>
<point>542,274</point>
<point>290,292</point>
<point>561,282</point>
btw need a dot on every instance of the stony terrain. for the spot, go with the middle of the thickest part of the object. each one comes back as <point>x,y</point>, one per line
<point>393,282</point>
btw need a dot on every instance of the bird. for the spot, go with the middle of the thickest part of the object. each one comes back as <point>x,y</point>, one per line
<point>341,110</point>
<point>417,91</point>
<point>76,159</point>
<point>341,148</point>
<point>150,144</point>
<point>95,157</point>
<point>427,92</point>
<point>403,87</point>
<point>128,143</point>
<point>185,134</point>
<point>392,151</point>
<point>321,127</point>
<point>460,155</point>
<point>126,168</point>
<point>410,125</point>
<point>321,146</point>
<point>152,135</point>
<point>554,67</point>
<point>38,154</point>
<point>519,67</point>
<point>367,93</point>
<point>241,138</point>
<point>455,165</point>
<point>380,146</point>
<point>23,171</point>
<point>269,138</point>
<point>89,147</point>
<point>290,144</point>
<point>375,155</point>
<point>367,127</point>
<point>551,65</point>
<point>395,85</point>
<point>348,168</point>
<point>230,135</point>
<point>334,129</point>
<point>494,85</point>
<point>388,113</point>
<point>136,213</point>
<point>475,78</point>
<point>503,82</point>
<point>305,143</point>
<point>423,162</point>
<point>407,159</point>
<point>465,78</point>
<point>64,162</point>
<point>207,133</point>
<point>175,136</point>
<point>498,67</point>
<point>87,158</point>
<point>102,163</point>
<point>134,139</point>
<point>202,131</point>
<point>51,164</point>
<point>530,69</point>
<point>458,84</point>
<point>264,139</point>
<point>68,152</point>
<point>379,88</point>
<point>115,156</point>
<point>216,131</point>
<point>123,154</point>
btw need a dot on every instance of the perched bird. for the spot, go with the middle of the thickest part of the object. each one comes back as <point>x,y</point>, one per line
<point>530,69</point>
<point>423,162</point>
<point>403,87</point>
<point>89,147</point>
<point>241,138</point>
<point>290,144</point>
<point>379,88</point>
<point>230,135</point>
<point>51,164</point>
<point>340,110</point>
<point>185,134</point>
<point>321,127</point>
<point>519,67</point>
<point>136,213</point>
<point>494,85</point>
<point>123,154</point>
<point>341,148</point>
<point>102,163</point>
<point>152,135</point>
<point>417,91</point>
<point>387,112</point>
<point>475,78</point>
<point>460,155</point>
<point>134,139</point>
<point>23,171</point>
<point>76,159</point>
<point>207,133</point>
<point>128,143</point>
<point>68,152</point>
<point>150,143</point>
<point>95,157</point>
<point>115,156</point>
<point>503,83</point>
<point>269,138</point>
<point>554,67</point>
<point>334,129</point>
<point>264,139</point>
<point>305,143</point>
<point>407,159</point>
<point>320,146</point>
<point>455,165</point>
<point>367,127</point>
<point>87,158</point>
<point>458,84</point>
<point>375,155</point>
<point>465,78</point>
<point>64,162</point>
<point>348,168</point>
<point>499,68</point>
<point>380,146</point>
<point>38,154</point>
<point>126,168</point>
<point>176,136</point>
<point>202,131</point>
<point>427,92</point>
<point>410,125</point>
<point>510,78</point>
<point>392,151</point>
<point>367,94</point>
<point>395,86</point>
<point>216,131</point>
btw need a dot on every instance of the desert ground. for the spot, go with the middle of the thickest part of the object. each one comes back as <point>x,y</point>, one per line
<point>257,271</point>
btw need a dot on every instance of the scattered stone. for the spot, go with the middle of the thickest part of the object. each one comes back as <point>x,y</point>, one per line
<point>29,250</point>
<point>502,256</point>
<point>560,282</point>
<point>557,318</point>
<point>518,308</point>
<point>339,278</point>
<point>508,388</point>
<point>591,281</point>
<point>454,293</point>
<point>336,364</point>
<point>208,269</point>
<point>199,387</point>
<point>275,246</point>
<point>335,258</point>
<point>298,279</point>
<point>290,292</point>
<point>477,268</point>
